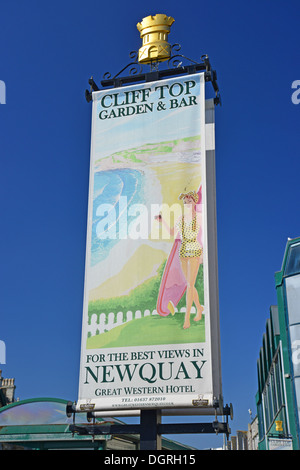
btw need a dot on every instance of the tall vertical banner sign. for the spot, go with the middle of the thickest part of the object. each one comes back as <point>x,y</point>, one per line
<point>150,331</point>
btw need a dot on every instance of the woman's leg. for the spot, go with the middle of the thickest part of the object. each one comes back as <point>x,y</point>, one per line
<point>199,307</point>
<point>190,268</point>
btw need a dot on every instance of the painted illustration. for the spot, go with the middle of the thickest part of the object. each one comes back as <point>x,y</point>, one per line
<point>144,282</point>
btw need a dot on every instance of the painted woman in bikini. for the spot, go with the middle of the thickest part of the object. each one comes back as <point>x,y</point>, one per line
<point>191,252</point>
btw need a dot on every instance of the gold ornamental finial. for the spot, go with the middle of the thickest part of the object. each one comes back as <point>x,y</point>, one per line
<point>154,31</point>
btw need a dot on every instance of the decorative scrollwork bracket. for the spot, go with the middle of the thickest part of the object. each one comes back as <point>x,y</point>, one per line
<point>176,64</point>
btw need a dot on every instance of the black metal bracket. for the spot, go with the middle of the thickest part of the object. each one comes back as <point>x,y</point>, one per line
<point>175,68</point>
<point>150,427</point>
<point>215,427</point>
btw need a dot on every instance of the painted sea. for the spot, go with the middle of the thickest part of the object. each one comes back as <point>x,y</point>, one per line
<point>115,191</point>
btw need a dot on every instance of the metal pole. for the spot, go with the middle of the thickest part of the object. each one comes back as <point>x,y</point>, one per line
<point>150,439</point>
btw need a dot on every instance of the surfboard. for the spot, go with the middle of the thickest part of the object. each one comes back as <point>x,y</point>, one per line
<point>173,283</point>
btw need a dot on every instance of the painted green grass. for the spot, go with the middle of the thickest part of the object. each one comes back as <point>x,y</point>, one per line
<point>151,330</point>
<point>143,297</point>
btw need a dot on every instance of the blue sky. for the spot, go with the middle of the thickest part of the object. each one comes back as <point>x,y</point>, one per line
<point>48,52</point>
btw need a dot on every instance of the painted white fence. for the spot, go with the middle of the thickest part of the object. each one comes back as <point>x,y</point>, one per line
<point>105,322</point>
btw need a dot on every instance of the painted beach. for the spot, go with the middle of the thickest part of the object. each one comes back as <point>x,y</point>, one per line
<point>125,280</point>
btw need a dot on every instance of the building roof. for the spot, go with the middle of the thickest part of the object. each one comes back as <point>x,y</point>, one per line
<point>40,411</point>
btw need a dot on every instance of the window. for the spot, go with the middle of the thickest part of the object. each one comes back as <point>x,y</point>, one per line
<point>273,392</point>
<point>293,260</point>
<point>261,430</point>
